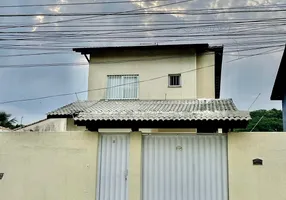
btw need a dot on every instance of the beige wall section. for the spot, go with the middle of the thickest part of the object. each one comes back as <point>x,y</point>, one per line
<point>147,65</point>
<point>46,125</point>
<point>250,182</point>
<point>72,127</point>
<point>206,75</point>
<point>53,125</point>
<point>134,170</point>
<point>50,166</point>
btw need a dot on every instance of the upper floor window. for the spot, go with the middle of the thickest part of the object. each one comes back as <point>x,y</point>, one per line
<point>122,86</point>
<point>174,80</point>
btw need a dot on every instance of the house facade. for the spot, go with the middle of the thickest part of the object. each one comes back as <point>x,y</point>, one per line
<point>174,145</point>
<point>136,76</point>
<point>161,72</point>
<point>155,129</point>
<point>161,126</point>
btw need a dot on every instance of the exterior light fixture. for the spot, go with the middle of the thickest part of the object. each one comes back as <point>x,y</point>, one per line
<point>1,175</point>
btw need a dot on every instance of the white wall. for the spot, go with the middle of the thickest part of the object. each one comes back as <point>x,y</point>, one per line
<point>148,65</point>
<point>48,166</point>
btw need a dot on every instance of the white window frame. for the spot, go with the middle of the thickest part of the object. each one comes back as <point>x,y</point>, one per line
<point>169,80</point>
<point>121,87</point>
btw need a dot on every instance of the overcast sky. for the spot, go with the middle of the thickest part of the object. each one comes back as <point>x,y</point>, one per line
<point>242,80</point>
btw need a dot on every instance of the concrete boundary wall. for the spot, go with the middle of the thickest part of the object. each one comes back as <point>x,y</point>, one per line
<point>63,165</point>
<point>257,182</point>
<point>48,166</point>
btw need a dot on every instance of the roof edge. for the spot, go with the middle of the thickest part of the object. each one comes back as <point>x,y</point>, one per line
<point>279,87</point>
<point>89,50</point>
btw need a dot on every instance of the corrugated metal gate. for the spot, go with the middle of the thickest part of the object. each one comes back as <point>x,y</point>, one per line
<point>113,165</point>
<point>189,167</point>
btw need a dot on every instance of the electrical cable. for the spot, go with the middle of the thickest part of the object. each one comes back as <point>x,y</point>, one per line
<point>103,88</point>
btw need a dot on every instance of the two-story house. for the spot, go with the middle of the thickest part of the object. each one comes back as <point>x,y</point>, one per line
<point>157,111</point>
<point>175,79</point>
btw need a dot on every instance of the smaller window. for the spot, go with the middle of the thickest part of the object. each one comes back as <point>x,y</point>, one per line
<point>174,80</point>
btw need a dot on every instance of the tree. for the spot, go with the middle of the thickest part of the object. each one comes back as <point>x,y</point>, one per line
<point>6,120</point>
<point>270,120</point>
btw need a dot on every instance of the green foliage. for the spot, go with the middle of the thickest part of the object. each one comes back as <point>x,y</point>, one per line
<point>271,121</point>
<point>7,121</point>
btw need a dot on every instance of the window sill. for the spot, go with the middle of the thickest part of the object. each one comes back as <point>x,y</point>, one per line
<point>174,86</point>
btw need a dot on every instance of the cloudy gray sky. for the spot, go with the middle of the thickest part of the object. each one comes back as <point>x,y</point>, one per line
<point>242,79</point>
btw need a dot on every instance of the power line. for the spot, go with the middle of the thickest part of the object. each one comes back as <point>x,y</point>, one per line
<point>92,17</point>
<point>88,32</point>
<point>58,39</point>
<point>256,123</point>
<point>68,37</point>
<point>34,54</point>
<point>239,24</point>
<point>104,36</point>
<point>170,12</point>
<point>72,37</point>
<point>39,65</point>
<point>51,43</point>
<point>75,4</point>
<point>249,47</point>
<point>195,21</point>
<point>68,52</point>
<point>103,88</point>
<point>254,101</point>
<point>97,89</point>
<point>118,2</point>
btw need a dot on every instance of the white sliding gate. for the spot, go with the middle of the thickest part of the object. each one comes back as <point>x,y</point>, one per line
<point>113,167</point>
<point>189,167</point>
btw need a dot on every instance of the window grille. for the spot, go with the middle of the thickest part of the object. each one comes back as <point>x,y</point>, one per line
<point>122,86</point>
<point>175,80</point>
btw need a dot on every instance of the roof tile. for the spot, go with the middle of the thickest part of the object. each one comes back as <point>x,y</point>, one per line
<point>155,110</point>
<point>71,109</point>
